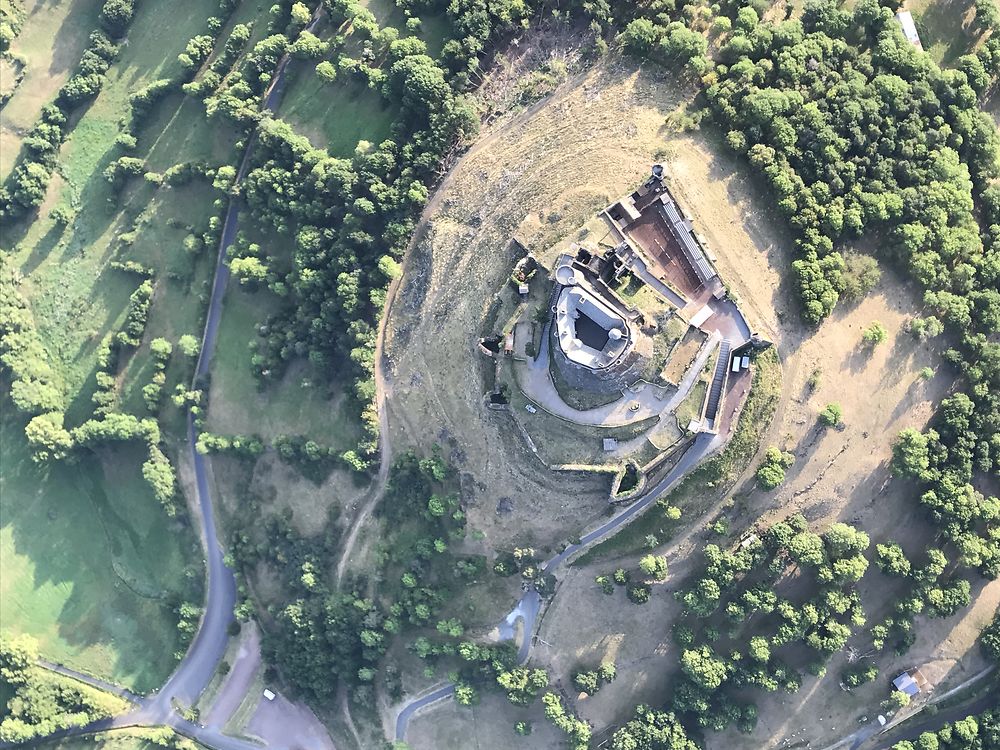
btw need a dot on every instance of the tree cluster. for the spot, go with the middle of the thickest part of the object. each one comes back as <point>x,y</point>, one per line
<point>577,730</point>
<point>589,681</point>
<point>858,132</point>
<point>980,732</point>
<point>929,592</point>
<point>25,187</point>
<point>35,386</point>
<point>41,702</point>
<point>736,620</point>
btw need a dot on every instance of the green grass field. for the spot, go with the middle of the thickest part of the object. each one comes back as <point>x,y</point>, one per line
<point>337,115</point>
<point>238,406</point>
<point>87,566</point>
<point>433,28</point>
<point>940,23</point>
<point>88,555</point>
<point>51,41</point>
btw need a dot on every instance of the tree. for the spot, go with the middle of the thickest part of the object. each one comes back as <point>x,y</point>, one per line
<point>49,440</point>
<point>654,566</point>
<point>682,43</point>
<point>639,37</point>
<point>652,730</point>
<point>638,593</point>
<point>161,349</point>
<point>159,473</point>
<point>807,548</point>
<point>704,667</point>
<point>989,639</point>
<point>586,682</point>
<point>607,671</point>
<point>987,15</point>
<point>466,695</point>
<point>891,560</point>
<point>308,47</point>
<point>911,454</point>
<point>897,699</point>
<point>771,472</point>
<point>326,71</point>
<point>831,415</point>
<point>759,650</point>
<point>861,275</point>
<point>874,334</point>
<point>116,15</point>
<point>188,345</point>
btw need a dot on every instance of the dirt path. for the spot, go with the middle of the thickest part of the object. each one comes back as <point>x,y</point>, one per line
<point>374,494</point>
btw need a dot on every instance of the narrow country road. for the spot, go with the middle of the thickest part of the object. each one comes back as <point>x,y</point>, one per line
<point>933,723</point>
<point>529,605</point>
<point>208,647</point>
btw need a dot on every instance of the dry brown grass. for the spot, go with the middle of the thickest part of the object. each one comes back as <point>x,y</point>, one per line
<point>592,141</point>
<point>540,177</point>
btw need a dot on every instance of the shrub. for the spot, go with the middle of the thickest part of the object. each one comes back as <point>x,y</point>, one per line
<point>874,334</point>
<point>831,415</point>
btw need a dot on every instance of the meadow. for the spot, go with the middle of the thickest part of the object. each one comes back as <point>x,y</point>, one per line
<point>93,566</point>
<point>87,566</point>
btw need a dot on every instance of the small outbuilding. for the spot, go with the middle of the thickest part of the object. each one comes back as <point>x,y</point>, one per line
<point>610,444</point>
<point>911,682</point>
<point>906,23</point>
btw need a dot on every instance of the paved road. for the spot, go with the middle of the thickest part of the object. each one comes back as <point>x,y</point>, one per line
<point>195,671</point>
<point>411,708</point>
<point>529,605</point>
<point>726,322</point>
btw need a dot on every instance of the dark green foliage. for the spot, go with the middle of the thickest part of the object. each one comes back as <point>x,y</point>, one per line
<point>521,684</point>
<point>576,730</point>
<point>831,415</point>
<point>736,590</point>
<point>591,680</point>
<point>989,639</point>
<point>857,132</point>
<point>652,730</point>
<point>858,674</point>
<point>771,471</point>
<point>116,15</point>
<point>35,387</point>
<point>860,276</point>
<point>41,702</point>
<point>244,446</point>
<point>135,317</point>
<point>25,187</point>
<point>980,732</point>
